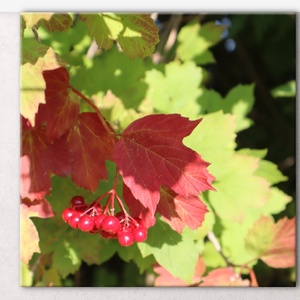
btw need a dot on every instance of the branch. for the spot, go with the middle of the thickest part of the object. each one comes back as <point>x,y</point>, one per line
<point>167,38</point>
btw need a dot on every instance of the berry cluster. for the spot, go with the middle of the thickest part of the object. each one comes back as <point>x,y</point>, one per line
<point>91,218</point>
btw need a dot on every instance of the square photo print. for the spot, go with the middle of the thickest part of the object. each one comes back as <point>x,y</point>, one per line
<point>157,149</point>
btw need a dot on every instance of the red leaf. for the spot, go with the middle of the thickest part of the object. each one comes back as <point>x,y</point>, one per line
<point>91,145</point>
<point>137,209</point>
<point>165,278</point>
<point>62,105</point>
<point>150,153</point>
<point>178,211</point>
<point>38,160</point>
<point>40,208</point>
<point>282,250</point>
<point>274,243</point>
<point>224,277</point>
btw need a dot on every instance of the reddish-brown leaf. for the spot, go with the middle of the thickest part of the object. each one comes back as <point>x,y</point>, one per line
<point>165,278</point>
<point>29,238</point>
<point>224,277</point>
<point>137,209</point>
<point>40,208</point>
<point>57,22</point>
<point>51,21</point>
<point>39,159</point>
<point>36,58</point>
<point>274,243</point>
<point>178,211</point>
<point>150,153</point>
<point>91,145</point>
<point>62,105</point>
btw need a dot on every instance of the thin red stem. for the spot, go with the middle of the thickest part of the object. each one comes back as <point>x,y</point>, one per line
<point>101,118</point>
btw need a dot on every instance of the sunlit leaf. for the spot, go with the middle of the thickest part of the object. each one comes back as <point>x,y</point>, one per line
<point>274,243</point>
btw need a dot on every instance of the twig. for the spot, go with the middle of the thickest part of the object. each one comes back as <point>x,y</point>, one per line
<point>211,236</point>
<point>36,34</point>
<point>168,38</point>
<point>101,118</point>
<point>92,50</point>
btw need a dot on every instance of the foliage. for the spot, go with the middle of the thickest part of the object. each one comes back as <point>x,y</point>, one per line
<point>111,123</point>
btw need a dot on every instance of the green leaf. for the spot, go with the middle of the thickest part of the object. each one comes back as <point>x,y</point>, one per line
<point>71,46</point>
<point>115,72</point>
<point>239,102</point>
<point>266,169</point>
<point>212,257</point>
<point>240,190</point>
<point>66,259</point>
<point>133,253</point>
<point>25,275</point>
<point>51,278</point>
<point>214,139</point>
<point>195,39</point>
<point>137,34</point>
<point>175,89</point>
<point>276,203</point>
<point>270,171</point>
<point>233,240</point>
<point>259,153</point>
<point>171,250</point>
<point>286,90</point>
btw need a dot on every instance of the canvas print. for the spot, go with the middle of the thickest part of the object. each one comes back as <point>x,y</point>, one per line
<point>157,149</point>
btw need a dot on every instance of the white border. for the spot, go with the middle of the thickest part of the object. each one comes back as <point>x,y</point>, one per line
<point>10,145</point>
<point>153,5</point>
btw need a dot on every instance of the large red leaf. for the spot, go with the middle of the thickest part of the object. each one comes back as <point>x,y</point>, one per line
<point>224,277</point>
<point>274,243</point>
<point>91,145</point>
<point>38,159</point>
<point>62,105</point>
<point>150,153</point>
<point>178,211</point>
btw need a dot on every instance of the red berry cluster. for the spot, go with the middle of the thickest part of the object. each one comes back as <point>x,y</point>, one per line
<point>91,218</point>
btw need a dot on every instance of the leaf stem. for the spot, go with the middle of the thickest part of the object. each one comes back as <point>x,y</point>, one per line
<point>101,118</point>
<point>211,236</point>
<point>252,274</point>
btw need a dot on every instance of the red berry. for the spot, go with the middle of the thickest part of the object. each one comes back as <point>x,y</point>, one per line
<point>111,224</point>
<point>76,201</point>
<point>81,208</point>
<point>139,221</point>
<point>86,223</point>
<point>67,214</point>
<point>73,221</point>
<point>107,235</point>
<point>120,215</point>
<point>94,230</point>
<point>98,221</point>
<point>139,234</point>
<point>125,238</point>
